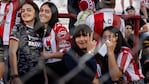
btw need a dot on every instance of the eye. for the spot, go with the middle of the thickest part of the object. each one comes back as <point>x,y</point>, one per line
<point>22,10</point>
<point>41,10</point>
<point>29,10</point>
<point>47,11</point>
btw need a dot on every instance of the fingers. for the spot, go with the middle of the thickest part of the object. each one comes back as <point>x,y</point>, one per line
<point>91,37</point>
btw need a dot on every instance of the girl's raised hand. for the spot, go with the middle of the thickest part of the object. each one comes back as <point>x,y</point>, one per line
<point>91,43</point>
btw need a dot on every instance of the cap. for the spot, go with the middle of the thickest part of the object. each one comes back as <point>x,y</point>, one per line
<point>130,8</point>
<point>146,42</point>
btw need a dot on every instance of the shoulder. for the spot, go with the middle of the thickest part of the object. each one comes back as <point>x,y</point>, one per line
<point>126,50</point>
<point>17,27</point>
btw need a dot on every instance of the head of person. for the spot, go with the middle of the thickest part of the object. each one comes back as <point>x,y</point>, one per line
<point>129,28</point>
<point>108,3</point>
<point>129,34</point>
<point>48,14</point>
<point>80,38</point>
<point>145,44</point>
<point>29,12</point>
<point>130,10</point>
<point>113,34</point>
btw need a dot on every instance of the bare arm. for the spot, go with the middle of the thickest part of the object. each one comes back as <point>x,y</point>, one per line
<point>1,69</point>
<point>144,10</point>
<point>47,55</point>
<point>114,70</point>
<point>122,4</point>
<point>13,56</point>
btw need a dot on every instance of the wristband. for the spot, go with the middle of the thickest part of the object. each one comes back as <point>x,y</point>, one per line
<point>91,52</point>
<point>14,76</point>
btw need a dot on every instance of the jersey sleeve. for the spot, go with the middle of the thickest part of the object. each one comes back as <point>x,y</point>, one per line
<point>124,59</point>
<point>15,34</point>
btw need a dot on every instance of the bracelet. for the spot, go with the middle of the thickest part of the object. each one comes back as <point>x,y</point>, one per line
<point>91,52</point>
<point>14,76</point>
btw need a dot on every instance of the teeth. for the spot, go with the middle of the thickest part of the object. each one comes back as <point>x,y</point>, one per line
<point>42,17</point>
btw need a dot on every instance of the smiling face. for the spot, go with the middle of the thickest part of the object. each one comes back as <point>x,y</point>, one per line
<point>45,14</point>
<point>27,13</point>
<point>82,40</point>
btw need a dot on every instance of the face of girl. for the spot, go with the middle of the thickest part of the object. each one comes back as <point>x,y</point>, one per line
<point>27,13</point>
<point>45,14</point>
<point>107,35</point>
<point>82,40</point>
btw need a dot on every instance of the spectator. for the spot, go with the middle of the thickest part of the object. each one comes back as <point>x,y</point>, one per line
<point>9,11</point>
<point>122,4</point>
<point>104,17</point>
<point>73,8</point>
<point>143,25</point>
<point>129,33</point>
<point>87,7</point>
<point>25,47</point>
<point>119,62</point>
<point>83,46</point>
<point>145,3</point>
<point>7,18</point>
<point>145,58</point>
<point>56,41</point>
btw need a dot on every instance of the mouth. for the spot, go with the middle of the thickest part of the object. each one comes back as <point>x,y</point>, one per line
<point>43,17</point>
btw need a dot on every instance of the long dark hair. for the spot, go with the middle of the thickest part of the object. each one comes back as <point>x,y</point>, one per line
<point>37,23</point>
<point>54,18</point>
<point>120,40</point>
<point>81,29</point>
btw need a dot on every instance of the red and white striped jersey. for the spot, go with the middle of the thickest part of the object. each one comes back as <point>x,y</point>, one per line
<point>103,18</point>
<point>130,66</point>
<point>7,19</point>
<point>58,40</point>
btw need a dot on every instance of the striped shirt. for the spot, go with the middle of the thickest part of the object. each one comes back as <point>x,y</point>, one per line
<point>130,66</point>
<point>7,19</point>
<point>103,18</point>
<point>58,40</point>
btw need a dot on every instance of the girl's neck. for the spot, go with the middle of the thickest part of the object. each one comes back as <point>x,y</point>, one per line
<point>46,26</point>
<point>31,23</point>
